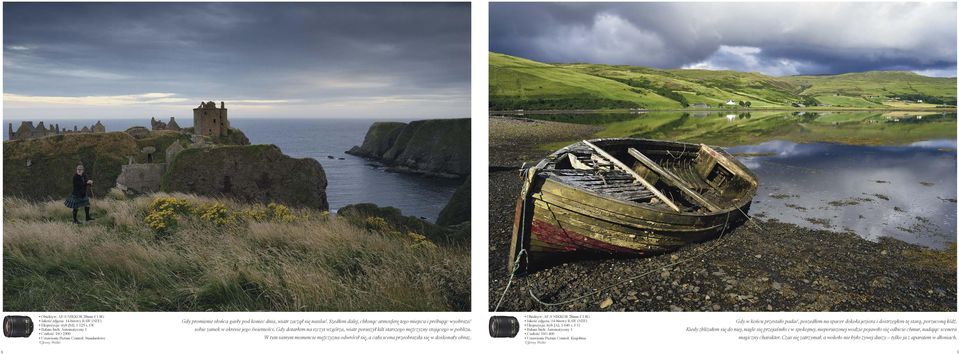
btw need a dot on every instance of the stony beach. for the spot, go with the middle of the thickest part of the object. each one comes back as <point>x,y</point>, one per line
<point>762,265</point>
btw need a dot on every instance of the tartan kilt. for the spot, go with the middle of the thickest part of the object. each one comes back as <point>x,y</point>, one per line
<point>75,202</point>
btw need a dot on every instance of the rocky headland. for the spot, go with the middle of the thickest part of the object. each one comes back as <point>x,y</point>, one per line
<point>436,147</point>
<point>457,210</point>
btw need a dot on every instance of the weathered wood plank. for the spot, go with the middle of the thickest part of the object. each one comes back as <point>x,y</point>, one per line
<point>617,234</point>
<point>655,220</point>
<point>730,164</point>
<point>670,178</point>
<point>639,178</point>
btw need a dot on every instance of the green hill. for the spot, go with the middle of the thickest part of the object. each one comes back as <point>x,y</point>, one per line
<point>517,83</point>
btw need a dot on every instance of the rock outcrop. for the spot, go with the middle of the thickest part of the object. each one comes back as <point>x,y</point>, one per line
<point>457,211</point>
<point>233,136</point>
<point>138,131</point>
<point>252,173</point>
<point>379,139</point>
<point>139,178</point>
<point>436,146</point>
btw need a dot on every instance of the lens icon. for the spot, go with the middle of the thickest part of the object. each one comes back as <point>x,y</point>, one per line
<point>17,326</point>
<point>503,326</point>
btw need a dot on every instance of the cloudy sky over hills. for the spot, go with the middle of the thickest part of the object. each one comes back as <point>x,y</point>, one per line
<point>115,60</point>
<point>775,39</point>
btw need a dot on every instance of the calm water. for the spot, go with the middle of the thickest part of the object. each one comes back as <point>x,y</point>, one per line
<point>351,179</point>
<point>873,173</point>
<point>907,192</point>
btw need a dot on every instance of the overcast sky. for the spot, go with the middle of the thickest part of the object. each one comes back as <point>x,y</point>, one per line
<point>306,60</point>
<point>775,39</point>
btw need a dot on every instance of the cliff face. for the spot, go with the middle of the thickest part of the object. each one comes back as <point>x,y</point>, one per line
<point>379,139</point>
<point>457,210</point>
<point>253,173</point>
<point>436,146</point>
<point>43,168</point>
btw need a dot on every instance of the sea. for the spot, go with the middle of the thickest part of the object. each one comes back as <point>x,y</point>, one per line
<point>350,179</point>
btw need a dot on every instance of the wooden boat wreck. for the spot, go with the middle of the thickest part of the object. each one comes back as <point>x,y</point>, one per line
<point>626,196</point>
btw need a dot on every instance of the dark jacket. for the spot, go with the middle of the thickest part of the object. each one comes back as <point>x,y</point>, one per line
<point>80,185</point>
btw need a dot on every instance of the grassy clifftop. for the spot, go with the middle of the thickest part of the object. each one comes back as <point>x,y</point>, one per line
<point>517,83</point>
<point>43,168</point>
<point>186,253</point>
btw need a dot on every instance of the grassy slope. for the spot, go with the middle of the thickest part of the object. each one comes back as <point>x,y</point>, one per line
<point>517,83</point>
<point>521,83</point>
<point>315,263</point>
<point>761,90</point>
<point>879,83</point>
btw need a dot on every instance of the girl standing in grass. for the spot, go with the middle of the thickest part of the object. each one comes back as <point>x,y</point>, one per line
<point>79,198</point>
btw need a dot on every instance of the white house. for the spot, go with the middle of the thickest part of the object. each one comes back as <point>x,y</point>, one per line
<point>731,103</point>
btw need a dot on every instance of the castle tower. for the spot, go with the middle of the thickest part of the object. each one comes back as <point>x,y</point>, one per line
<point>172,125</point>
<point>99,128</point>
<point>210,120</point>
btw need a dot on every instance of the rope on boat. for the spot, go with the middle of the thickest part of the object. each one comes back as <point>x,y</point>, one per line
<point>522,250</point>
<point>750,218</point>
<point>590,294</point>
<point>516,264</point>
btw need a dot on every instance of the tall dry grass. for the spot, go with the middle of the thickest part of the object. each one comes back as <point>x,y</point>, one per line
<point>316,263</point>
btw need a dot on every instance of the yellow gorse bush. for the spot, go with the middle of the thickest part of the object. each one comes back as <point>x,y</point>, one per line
<point>376,223</point>
<point>163,213</point>
<point>177,206</point>
<point>280,213</point>
<point>420,241</point>
<point>217,214</point>
<point>161,220</point>
<point>255,214</point>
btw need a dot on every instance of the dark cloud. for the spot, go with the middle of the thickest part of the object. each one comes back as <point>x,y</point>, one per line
<point>307,53</point>
<point>780,38</point>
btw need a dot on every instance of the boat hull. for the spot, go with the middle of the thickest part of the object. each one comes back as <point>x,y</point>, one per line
<point>554,219</point>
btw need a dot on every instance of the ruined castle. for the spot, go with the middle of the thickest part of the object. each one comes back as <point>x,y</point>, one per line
<point>28,131</point>
<point>145,177</point>
<point>159,125</point>
<point>209,120</point>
